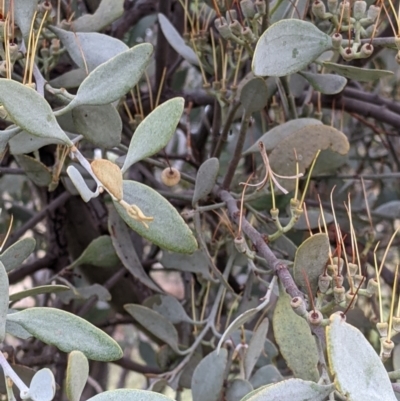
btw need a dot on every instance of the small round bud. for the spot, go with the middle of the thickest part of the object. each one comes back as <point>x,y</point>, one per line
<point>170,176</point>
<point>314,317</point>
<point>366,50</point>
<point>333,6</point>
<point>382,328</point>
<point>231,15</point>
<point>45,6</point>
<point>373,12</point>
<point>339,294</point>
<point>223,28</point>
<point>318,9</point>
<point>357,279</point>
<point>338,280</point>
<point>324,282</point>
<point>359,9</point>
<point>332,269</point>
<point>298,305</point>
<point>248,9</point>
<point>347,53</point>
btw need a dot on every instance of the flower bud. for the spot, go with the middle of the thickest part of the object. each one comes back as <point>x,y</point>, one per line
<point>298,305</point>
<point>396,323</point>
<point>318,9</point>
<point>373,12</point>
<point>170,176</point>
<point>337,40</point>
<point>223,28</point>
<point>344,9</point>
<point>353,268</point>
<point>339,294</point>
<point>248,9</point>
<point>231,15</point>
<point>347,53</point>
<point>351,299</point>
<point>359,9</point>
<point>324,282</point>
<point>382,328</point>
<point>387,346</point>
<point>314,317</point>
<point>248,35</point>
<point>260,7</point>
<point>333,6</point>
<point>366,50</point>
<point>235,27</point>
<point>372,286</point>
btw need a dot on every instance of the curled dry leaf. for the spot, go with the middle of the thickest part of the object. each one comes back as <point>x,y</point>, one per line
<point>110,175</point>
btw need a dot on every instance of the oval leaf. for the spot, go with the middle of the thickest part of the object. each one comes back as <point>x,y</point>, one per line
<point>277,134</point>
<point>43,386</point>
<point>67,332</point>
<point>328,84</point>
<point>30,111</point>
<point>296,343</point>
<point>129,395</point>
<point>176,41</point>
<point>306,142</point>
<point>14,255</point>
<point>266,375</point>
<point>208,377</point>
<point>256,346</point>
<point>205,179</point>
<point>293,390</point>
<point>155,323</point>
<point>356,73</point>
<point>100,125</point>
<point>35,170</point>
<point>77,375</point>
<point>168,230</point>
<point>237,389</point>
<point>26,143</point>
<point>84,47</point>
<point>287,47</point>
<point>254,95</point>
<point>100,252</point>
<point>112,79</point>
<point>43,289</point>
<point>310,261</point>
<point>358,370</point>
<point>155,131</point>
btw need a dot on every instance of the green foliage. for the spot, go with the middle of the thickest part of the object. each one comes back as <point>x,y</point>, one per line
<point>223,285</point>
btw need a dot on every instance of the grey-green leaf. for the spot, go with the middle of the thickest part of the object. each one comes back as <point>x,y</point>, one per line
<point>100,252</point>
<point>67,332</point>
<point>155,323</point>
<point>296,343</point>
<point>288,46</point>
<point>310,261</point>
<point>176,41</point>
<point>112,79</point>
<point>86,292</point>
<point>359,372</point>
<point>237,389</point>
<point>77,375</point>
<point>168,229</point>
<point>129,395</point>
<point>106,13</point>
<point>14,255</point>
<point>356,73</point>
<point>256,346</point>
<point>275,135</point>
<point>267,374</point>
<point>155,131</point>
<point>291,389</point>
<point>208,377</point>
<point>23,142</point>
<point>30,111</point>
<point>205,179</point>
<point>4,288</point>
<point>23,11</point>
<point>42,289</point>
<point>43,386</point>
<point>389,210</point>
<point>35,170</point>
<point>254,95</point>
<point>100,125</point>
<point>169,307</point>
<point>328,84</point>
<point>84,47</point>
<point>123,246</point>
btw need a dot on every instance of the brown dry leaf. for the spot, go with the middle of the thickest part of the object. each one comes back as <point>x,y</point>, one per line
<point>110,175</point>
